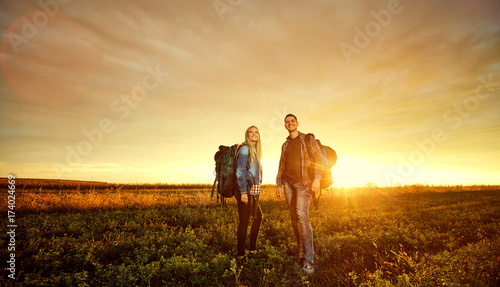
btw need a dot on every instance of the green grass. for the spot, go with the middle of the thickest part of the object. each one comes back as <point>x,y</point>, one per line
<point>400,236</point>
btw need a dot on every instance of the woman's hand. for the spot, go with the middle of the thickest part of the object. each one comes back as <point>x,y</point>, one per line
<point>244,198</point>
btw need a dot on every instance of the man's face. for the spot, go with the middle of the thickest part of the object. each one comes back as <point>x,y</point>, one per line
<point>291,124</point>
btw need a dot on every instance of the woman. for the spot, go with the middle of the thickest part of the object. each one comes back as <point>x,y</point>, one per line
<point>248,177</point>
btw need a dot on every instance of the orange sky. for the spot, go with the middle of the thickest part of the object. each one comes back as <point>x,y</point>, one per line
<point>127,91</point>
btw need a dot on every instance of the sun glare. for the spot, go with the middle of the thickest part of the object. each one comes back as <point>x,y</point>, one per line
<point>355,172</point>
<point>346,173</point>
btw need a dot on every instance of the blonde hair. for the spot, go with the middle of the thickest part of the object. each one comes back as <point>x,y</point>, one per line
<point>255,150</point>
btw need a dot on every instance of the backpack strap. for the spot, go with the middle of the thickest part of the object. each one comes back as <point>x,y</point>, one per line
<point>213,188</point>
<point>307,140</point>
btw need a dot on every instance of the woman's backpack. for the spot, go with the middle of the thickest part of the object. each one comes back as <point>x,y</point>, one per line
<point>225,172</point>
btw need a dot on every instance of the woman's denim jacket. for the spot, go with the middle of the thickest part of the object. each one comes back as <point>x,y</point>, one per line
<point>246,176</point>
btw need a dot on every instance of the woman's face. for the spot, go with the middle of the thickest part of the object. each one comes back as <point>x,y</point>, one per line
<point>253,134</point>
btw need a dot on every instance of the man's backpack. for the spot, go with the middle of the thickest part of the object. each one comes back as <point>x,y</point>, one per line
<point>225,172</point>
<point>329,160</point>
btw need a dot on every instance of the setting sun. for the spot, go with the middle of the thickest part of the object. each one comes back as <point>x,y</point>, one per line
<point>354,172</point>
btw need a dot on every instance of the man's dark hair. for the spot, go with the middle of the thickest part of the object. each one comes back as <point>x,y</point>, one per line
<point>290,115</point>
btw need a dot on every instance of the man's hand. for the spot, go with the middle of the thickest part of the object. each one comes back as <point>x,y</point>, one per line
<point>278,191</point>
<point>244,198</point>
<point>315,185</point>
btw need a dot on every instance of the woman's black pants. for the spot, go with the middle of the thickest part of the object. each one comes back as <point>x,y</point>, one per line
<point>246,211</point>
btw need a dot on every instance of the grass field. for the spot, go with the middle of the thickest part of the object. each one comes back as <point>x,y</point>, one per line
<point>76,234</point>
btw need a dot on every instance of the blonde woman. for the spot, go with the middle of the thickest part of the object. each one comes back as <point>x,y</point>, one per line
<point>249,177</point>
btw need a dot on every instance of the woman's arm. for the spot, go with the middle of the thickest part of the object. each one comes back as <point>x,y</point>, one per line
<point>241,168</point>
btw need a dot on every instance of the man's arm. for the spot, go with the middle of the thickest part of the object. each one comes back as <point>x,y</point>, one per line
<point>281,168</point>
<point>317,159</point>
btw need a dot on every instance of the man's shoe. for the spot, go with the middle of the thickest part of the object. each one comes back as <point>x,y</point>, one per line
<point>308,269</point>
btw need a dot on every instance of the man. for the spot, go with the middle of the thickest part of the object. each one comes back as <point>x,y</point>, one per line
<point>293,176</point>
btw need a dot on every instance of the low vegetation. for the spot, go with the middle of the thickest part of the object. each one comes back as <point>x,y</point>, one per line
<point>179,236</point>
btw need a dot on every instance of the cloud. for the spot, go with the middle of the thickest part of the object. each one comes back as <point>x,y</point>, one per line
<point>224,75</point>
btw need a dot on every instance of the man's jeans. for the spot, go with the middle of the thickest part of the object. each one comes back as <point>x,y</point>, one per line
<point>298,198</point>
